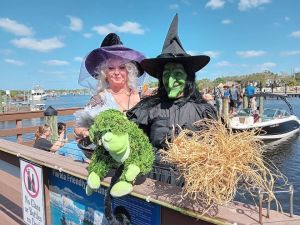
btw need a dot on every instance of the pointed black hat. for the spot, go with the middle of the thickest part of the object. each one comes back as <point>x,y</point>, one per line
<point>112,47</point>
<point>173,52</point>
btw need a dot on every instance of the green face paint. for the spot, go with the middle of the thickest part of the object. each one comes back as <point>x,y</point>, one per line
<point>174,78</point>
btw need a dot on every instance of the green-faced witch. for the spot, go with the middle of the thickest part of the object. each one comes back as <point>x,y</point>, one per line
<point>178,103</point>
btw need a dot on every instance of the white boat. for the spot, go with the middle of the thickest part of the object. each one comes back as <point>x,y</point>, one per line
<point>38,94</point>
<point>271,125</point>
<point>37,107</point>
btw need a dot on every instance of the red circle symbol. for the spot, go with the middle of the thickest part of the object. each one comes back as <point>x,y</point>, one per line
<point>32,187</point>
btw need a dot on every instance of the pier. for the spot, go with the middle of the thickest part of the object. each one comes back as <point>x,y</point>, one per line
<point>157,202</point>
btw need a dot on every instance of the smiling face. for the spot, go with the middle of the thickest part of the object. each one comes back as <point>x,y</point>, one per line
<point>174,79</point>
<point>116,73</point>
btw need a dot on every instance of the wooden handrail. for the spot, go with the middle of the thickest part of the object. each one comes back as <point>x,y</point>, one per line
<point>18,131</point>
<point>33,114</point>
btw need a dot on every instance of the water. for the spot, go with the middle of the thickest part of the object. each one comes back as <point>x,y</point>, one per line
<point>285,155</point>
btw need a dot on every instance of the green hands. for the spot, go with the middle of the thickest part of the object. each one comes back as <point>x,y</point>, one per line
<point>125,187</point>
<point>174,78</point>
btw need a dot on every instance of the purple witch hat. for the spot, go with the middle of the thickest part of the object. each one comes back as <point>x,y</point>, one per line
<point>112,47</point>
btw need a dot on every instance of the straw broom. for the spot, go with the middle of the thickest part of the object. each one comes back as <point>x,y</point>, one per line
<point>215,162</point>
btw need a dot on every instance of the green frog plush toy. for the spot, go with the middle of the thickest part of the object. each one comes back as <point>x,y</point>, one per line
<point>119,141</point>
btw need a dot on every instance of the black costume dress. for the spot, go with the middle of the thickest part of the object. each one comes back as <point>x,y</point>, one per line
<point>163,121</point>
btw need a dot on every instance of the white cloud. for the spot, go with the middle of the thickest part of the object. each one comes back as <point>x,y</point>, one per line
<point>227,21</point>
<point>14,62</point>
<point>75,23</point>
<point>78,59</point>
<point>215,4</point>
<point>191,52</point>
<point>267,66</point>
<point>297,69</point>
<point>224,64</point>
<point>213,54</point>
<point>14,27</point>
<point>126,27</point>
<point>295,34</point>
<point>55,62</point>
<point>87,35</point>
<point>290,53</point>
<point>251,53</point>
<point>44,45</point>
<point>174,6</point>
<point>248,4</point>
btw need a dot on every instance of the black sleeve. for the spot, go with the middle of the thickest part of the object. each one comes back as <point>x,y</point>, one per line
<point>208,111</point>
<point>140,116</point>
<point>43,144</point>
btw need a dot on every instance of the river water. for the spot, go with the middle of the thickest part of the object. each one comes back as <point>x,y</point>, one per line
<point>285,154</point>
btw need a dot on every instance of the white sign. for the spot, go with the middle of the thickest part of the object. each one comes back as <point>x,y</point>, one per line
<point>33,193</point>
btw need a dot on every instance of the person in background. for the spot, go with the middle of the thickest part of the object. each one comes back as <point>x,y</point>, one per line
<point>62,127</point>
<point>234,98</point>
<point>41,139</point>
<point>115,68</point>
<point>249,92</point>
<point>219,94</point>
<point>72,150</point>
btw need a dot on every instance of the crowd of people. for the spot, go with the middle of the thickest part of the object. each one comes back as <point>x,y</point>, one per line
<point>235,95</point>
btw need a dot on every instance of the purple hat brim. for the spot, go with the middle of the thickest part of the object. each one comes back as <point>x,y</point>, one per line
<point>100,55</point>
<point>154,66</point>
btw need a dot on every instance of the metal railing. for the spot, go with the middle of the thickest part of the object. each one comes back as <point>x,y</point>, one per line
<point>261,194</point>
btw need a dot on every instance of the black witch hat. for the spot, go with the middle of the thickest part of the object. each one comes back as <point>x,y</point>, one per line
<point>173,52</point>
<point>112,47</point>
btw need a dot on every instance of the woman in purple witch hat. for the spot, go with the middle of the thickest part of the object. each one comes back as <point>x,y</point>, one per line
<point>111,72</point>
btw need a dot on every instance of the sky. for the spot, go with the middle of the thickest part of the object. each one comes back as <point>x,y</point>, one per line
<point>43,42</point>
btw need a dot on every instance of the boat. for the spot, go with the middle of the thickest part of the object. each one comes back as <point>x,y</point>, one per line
<point>38,93</point>
<point>272,124</point>
<point>37,107</point>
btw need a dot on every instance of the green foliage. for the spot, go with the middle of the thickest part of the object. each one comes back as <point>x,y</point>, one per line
<point>141,153</point>
<point>262,77</point>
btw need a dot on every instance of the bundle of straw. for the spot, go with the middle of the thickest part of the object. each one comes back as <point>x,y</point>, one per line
<point>215,162</point>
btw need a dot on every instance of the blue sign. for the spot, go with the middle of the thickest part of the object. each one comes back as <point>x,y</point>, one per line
<point>70,205</point>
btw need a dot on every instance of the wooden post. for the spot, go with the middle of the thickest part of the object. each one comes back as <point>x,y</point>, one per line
<point>245,102</point>
<point>1,104</point>
<point>261,105</point>
<point>19,136</point>
<point>51,119</point>
<point>226,109</point>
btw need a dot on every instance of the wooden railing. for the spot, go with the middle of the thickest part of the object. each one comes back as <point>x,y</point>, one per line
<point>19,130</point>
